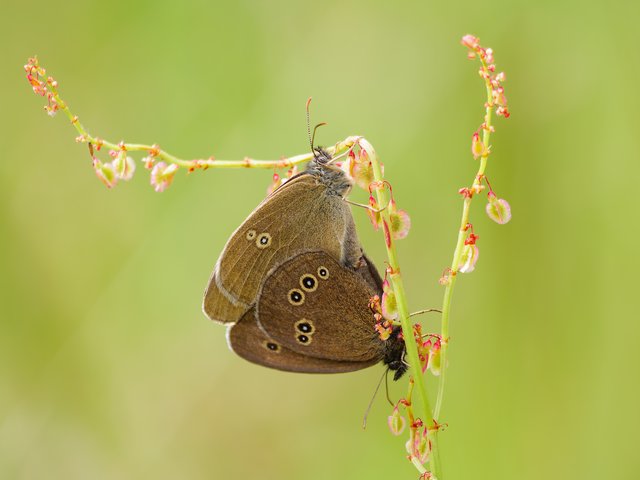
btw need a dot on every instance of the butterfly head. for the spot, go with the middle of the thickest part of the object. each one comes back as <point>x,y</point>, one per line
<point>394,351</point>
<point>336,180</point>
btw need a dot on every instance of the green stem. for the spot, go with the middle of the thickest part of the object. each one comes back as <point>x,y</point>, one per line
<point>457,254</point>
<point>415,366</point>
<point>154,150</point>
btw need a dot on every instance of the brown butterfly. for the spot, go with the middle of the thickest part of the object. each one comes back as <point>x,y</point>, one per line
<point>313,316</point>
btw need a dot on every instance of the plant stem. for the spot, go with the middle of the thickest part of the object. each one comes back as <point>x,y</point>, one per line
<point>457,254</point>
<point>415,366</point>
<point>98,143</point>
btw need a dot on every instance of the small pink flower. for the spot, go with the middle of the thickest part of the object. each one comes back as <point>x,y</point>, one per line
<point>162,175</point>
<point>470,41</point>
<point>498,209</point>
<point>396,422</point>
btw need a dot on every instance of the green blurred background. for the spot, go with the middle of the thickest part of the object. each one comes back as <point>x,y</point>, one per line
<point>108,368</point>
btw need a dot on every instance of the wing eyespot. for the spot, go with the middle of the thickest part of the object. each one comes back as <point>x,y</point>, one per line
<point>271,346</point>
<point>295,296</point>
<point>251,235</point>
<point>303,339</point>
<point>323,272</point>
<point>305,326</point>
<point>263,240</point>
<point>308,282</point>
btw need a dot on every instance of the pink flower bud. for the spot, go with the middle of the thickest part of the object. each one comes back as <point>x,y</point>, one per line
<point>498,209</point>
<point>470,41</point>
<point>396,422</point>
<point>275,183</point>
<point>148,162</point>
<point>469,258</point>
<point>162,175</point>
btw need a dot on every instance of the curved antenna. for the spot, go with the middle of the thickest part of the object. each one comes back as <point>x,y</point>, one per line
<point>321,124</point>
<point>309,124</point>
<point>312,137</point>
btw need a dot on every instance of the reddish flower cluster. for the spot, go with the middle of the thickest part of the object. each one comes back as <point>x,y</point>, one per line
<point>44,88</point>
<point>497,209</point>
<point>488,73</point>
<point>383,326</point>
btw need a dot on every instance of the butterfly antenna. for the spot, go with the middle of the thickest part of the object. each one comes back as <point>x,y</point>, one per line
<point>312,137</point>
<point>366,413</point>
<point>314,132</point>
<point>309,124</point>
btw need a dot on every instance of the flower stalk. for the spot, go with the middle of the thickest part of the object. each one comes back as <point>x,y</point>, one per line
<point>480,151</point>
<point>383,196</point>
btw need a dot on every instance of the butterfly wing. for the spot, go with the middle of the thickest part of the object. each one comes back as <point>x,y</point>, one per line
<point>314,306</point>
<point>299,216</point>
<point>248,341</point>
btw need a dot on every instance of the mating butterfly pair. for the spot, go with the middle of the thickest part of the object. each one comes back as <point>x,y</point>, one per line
<point>295,285</point>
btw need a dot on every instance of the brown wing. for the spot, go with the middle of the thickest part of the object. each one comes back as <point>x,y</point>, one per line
<point>297,217</point>
<point>248,341</point>
<point>315,306</point>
